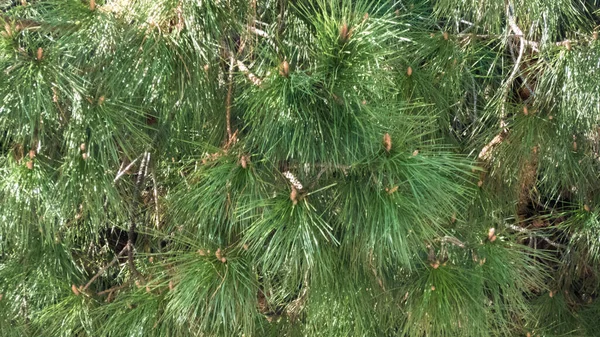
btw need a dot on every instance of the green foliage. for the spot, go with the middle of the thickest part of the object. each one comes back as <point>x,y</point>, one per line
<point>299,168</point>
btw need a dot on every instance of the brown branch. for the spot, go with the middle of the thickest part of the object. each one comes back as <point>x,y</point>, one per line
<point>253,78</point>
<point>156,210</point>
<point>103,269</point>
<point>486,151</point>
<point>529,232</point>
<point>123,171</point>
<point>113,289</point>
<point>229,98</point>
<point>453,240</point>
<point>132,226</point>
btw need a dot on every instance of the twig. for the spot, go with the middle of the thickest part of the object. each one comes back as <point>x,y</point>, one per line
<point>253,78</point>
<point>453,240</point>
<point>259,32</point>
<point>156,219</point>
<point>485,152</point>
<point>519,33</point>
<point>527,231</point>
<point>103,269</point>
<point>228,100</point>
<point>295,307</point>
<point>512,55</point>
<point>131,233</point>
<point>122,172</point>
<point>113,289</point>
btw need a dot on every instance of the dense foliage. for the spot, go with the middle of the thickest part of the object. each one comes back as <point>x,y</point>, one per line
<point>299,168</point>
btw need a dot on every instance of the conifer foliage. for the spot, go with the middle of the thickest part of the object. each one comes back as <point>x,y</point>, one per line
<point>299,168</point>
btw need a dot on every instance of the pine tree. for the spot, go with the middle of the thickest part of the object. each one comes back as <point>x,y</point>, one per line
<point>299,168</point>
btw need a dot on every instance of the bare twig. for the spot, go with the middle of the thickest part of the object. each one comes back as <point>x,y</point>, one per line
<point>253,78</point>
<point>519,33</point>
<point>529,232</point>
<point>259,32</point>
<point>156,218</point>
<point>122,171</point>
<point>453,240</point>
<point>228,99</point>
<point>486,151</point>
<point>132,226</point>
<point>296,306</point>
<point>103,269</point>
<point>113,289</point>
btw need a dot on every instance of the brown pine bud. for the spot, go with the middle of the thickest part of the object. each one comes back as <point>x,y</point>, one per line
<point>528,334</point>
<point>92,5</point>
<point>31,154</point>
<point>85,156</point>
<point>171,285</point>
<point>575,146</point>
<point>525,110</point>
<point>595,36</point>
<point>75,290</point>
<point>432,288</point>
<point>446,36</point>
<point>201,252</point>
<point>218,254</point>
<point>392,190</point>
<point>550,117</point>
<point>30,164</point>
<point>245,246</point>
<point>244,162</point>
<point>148,289</point>
<point>223,260</point>
<point>82,147</point>
<point>397,12</point>
<point>551,294</point>
<point>409,71</point>
<point>151,259</point>
<point>365,17</point>
<point>101,100</point>
<point>294,195</point>
<point>284,69</point>
<point>567,44</point>
<point>387,142</point>
<point>491,233</point>
<point>586,208</point>
<point>480,183</point>
<point>40,54</point>
<point>435,265</point>
<point>206,67</point>
<point>415,153</point>
<point>344,33</point>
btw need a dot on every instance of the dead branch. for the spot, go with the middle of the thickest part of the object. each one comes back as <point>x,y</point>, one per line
<point>253,78</point>
<point>103,269</point>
